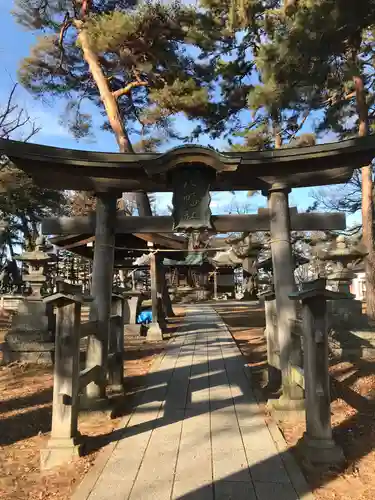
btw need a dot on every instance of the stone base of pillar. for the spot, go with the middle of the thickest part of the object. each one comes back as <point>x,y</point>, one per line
<point>285,409</point>
<point>131,309</point>
<point>132,330</point>
<point>59,451</point>
<point>37,355</point>
<point>154,332</point>
<point>117,389</point>
<point>321,451</point>
<point>92,405</point>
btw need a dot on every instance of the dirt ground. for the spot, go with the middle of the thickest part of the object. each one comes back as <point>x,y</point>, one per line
<point>353,411</point>
<point>25,420</point>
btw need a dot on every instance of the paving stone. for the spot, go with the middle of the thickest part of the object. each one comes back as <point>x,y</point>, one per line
<point>271,491</point>
<point>117,490</point>
<point>198,433</point>
<point>266,466</point>
<point>194,464</point>
<point>155,476</point>
<point>228,454</point>
<point>198,397</point>
<point>233,490</point>
<point>155,488</point>
<point>185,491</point>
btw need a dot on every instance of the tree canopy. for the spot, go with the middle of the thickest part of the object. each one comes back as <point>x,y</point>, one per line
<point>130,60</point>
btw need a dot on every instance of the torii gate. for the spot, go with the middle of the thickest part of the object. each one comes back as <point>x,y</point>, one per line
<point>191,172</point>
<point>67,226</point>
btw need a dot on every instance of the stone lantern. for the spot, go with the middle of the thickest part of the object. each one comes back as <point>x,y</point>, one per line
<point>317,245</point>
<point>345,257</point>
<point>36,262</point>
<point>247,249</point>
<point>30,337</point>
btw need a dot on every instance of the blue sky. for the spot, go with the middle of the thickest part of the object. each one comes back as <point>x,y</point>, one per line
<point>15,44</point>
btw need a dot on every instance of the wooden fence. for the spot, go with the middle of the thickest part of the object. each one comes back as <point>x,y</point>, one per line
<point>69,379</point>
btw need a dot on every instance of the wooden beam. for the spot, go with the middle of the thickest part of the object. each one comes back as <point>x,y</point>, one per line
<point>222,223</point>
<point>164,240</point>
<point>99,172</point>
<point>318,222</point>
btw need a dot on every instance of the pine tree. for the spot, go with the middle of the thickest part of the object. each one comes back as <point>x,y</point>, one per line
<point>287,61</point>
<point>250,104</point>
<point>127,60</point>
<point>333,66</point>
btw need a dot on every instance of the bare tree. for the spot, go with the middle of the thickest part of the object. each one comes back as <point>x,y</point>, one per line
<point>15,119</point>
<point>22,203</point>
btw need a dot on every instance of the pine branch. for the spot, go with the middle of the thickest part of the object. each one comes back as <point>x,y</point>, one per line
<point>334,100</point>
<point>303,121</point>
<point>64,28</point>
<point>126,90</point>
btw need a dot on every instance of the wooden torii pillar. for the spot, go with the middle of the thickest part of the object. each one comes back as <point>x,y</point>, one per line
<point>101,291</point>
<point>292,397</point>
<point>155,331</point>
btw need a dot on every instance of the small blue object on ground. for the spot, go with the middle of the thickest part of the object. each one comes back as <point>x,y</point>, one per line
<point>145,317</point>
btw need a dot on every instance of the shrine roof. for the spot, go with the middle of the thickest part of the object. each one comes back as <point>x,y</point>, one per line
<point>59,168</point>
<point>127,246</point>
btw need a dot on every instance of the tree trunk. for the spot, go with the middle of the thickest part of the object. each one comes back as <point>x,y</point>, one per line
<point>109,100</point>
<point>110,104</point>
<point>367,200</point>
<point>277,130</point>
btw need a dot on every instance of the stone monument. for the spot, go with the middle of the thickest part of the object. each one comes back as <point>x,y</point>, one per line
<point>30,337</point>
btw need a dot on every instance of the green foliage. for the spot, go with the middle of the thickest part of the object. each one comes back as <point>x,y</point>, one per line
<point>256,70</point>
<point>322,60</point>
<point>144,43</point>
<point>148,145</point>
<point>77,122</point>
<point>110,31</point>
<point>186,95</point>
<point>256,139</point>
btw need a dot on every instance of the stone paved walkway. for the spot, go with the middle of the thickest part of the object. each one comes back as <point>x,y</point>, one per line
<point>198,433</point>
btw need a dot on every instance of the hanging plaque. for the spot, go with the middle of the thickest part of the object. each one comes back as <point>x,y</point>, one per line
<point>191,198</point>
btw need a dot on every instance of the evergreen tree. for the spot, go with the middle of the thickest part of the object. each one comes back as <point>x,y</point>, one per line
<point>130,61</point>
<point>286,61</point>
<point>249,102</point>
<point>332,64</point>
